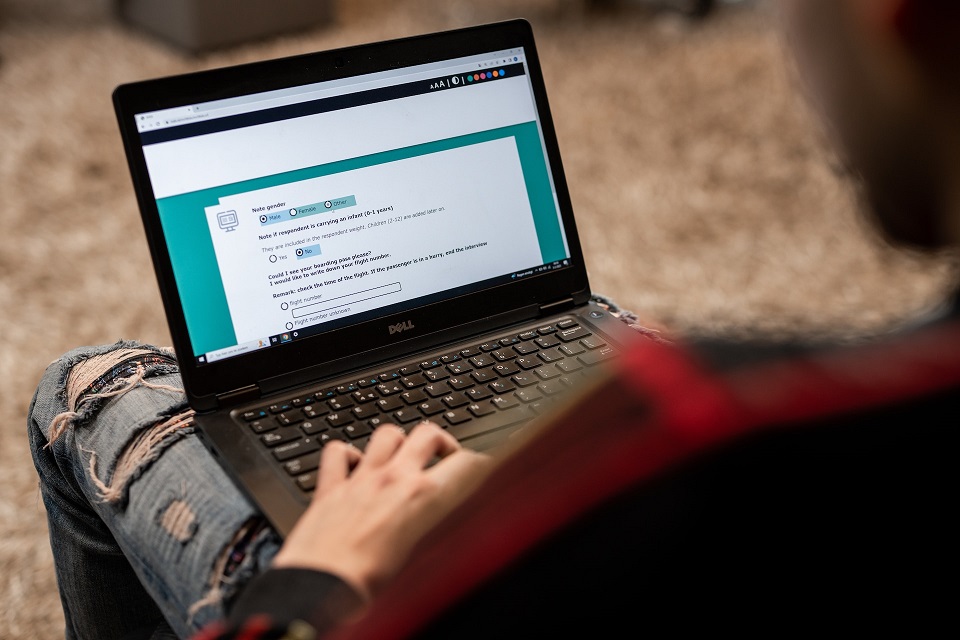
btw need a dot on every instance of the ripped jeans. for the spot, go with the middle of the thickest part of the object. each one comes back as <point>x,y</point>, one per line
<point>148,533</point>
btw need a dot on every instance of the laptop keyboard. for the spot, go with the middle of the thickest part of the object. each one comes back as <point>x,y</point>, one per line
<point>469,392</point>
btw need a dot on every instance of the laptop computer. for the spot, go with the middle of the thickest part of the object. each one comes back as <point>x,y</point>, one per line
<point>380,233</point>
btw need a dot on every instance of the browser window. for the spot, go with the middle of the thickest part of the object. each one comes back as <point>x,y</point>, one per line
<point>294,212</point>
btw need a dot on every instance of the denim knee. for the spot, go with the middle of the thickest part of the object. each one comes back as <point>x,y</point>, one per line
<point>123,472</point>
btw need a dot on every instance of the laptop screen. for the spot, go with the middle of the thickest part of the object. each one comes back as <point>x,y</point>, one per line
<point>296,211</point>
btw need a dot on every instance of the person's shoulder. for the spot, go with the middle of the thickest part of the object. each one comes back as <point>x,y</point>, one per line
<point>722,353</point>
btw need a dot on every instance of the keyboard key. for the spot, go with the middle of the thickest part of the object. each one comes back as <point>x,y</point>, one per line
<point>528,335</point>
<point>262,426</point>
<point>548,372</point>
<point>574,333</point>
<point>599,355</point>
<point>275,438</point>
<point>502,386</point>
<point>287,419</point>
<point>302,464</point>
<point>481,409</point>
<point>529,394</point>
<point>566,323</point>
<point>545,342</point>
<point>362,396</point>
<point>357,430</point>
<point>483,360</point>
<point>459,368</point>
<point>414,396</point>
<point>540,405</point>
<point>551,387</point>
<point>456,399</point>
<point>478,393</point>
<point>431,407</point>
<point>546,329</point>
<point>258,414</point>
<point>365,412</point>
<point>525,348</point>
<point>503,355</point>
<point>525,379</point>
<point>433,375</point>
<point>315,410</point>
<point>506,369</point>
<point>484,375</point>
<point>311,427</point>
<point>340,403</point>
<point>572,380</point>
<point>505,402</point>
<point>459,383</point>
<point>295,449</point>
<point>572,349</point>
<point>307,481</point>
<point>403,416</point>
<point>550,355</point>
<point>339,419</point>
<point>593,342</point>
<point>390,388</point>
<point>327,436</point>
<point>528,362</point>
<point>437,389</point>
<point>569,365</point>
<point>413,381</point>
<point>389,404</point>
<point>326,394</point>
<point>374,423</point>
<point>457,416</point>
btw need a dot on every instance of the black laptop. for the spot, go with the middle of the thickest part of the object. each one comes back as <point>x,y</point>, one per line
<point>377,234</point>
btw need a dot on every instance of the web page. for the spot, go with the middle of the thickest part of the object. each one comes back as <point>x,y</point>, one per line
<point>338,245</point>
<point>292,224</point>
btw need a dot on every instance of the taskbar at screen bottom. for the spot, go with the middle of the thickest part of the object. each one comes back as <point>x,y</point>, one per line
<point>291,335</point>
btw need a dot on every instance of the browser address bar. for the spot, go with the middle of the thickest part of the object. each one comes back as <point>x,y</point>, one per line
<point>266,103</point>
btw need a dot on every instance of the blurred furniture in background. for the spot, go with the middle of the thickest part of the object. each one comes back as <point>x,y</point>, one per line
<point>202,25</point>
<point>692,8</point>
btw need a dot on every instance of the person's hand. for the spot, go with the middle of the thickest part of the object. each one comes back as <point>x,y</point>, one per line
<point>370,509</point>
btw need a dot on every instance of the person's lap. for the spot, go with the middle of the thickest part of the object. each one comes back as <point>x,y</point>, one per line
<point>145,526</point>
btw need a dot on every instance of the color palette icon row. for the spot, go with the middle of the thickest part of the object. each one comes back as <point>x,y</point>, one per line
<point>486,75</point>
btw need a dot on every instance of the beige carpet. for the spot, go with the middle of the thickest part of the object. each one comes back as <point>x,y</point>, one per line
<point>706,198</point>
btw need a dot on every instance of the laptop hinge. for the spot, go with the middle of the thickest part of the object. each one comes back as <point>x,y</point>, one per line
<point>238,396</point>
<point>552,307</point>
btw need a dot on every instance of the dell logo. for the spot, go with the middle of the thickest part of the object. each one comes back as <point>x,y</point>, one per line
<point>402,326</point>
